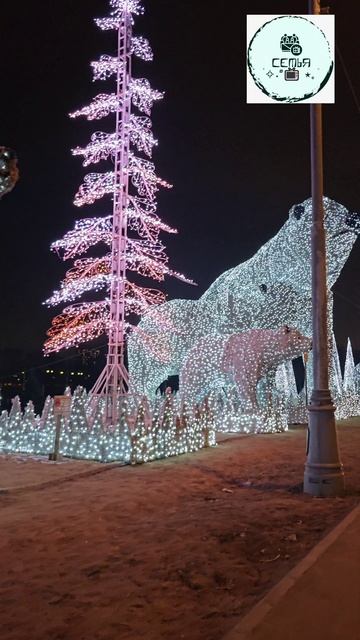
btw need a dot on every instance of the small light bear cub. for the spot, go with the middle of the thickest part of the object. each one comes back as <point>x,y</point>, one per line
<point>240,358</point>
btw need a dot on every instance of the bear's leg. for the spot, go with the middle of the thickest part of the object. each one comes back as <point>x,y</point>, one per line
<point>246,382</point>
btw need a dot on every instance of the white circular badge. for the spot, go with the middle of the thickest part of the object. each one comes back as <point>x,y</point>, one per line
<point>290,58</point>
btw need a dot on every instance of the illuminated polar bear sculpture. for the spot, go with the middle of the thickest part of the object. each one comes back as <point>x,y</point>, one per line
<point>271,289</point>
<point>216,362</point>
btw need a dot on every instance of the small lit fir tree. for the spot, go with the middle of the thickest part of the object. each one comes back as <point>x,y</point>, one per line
<point>139,438</point>
<point>4,425</point>
<point>117,442</point>
<point>30,428</point>
<point>131,232</point>
<point>349,370</point>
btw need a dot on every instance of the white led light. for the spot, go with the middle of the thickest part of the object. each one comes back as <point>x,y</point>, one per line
<point>268,291</point>
<point>133,185</point>
<point>144,431</point>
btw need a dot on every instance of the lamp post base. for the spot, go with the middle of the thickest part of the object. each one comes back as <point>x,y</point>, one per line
<point>324,475</point>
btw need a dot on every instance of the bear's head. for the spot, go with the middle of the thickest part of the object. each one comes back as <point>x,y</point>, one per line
<point>291,343</point>
<point>290,261</point>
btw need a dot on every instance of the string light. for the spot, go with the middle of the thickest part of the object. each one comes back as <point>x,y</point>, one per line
<point>357,378</point>
<point>143,432</point>
<point>271,289</point>
<point>153,429</point>
<point>348,401</point>
<point>349,370</point>
<point>143,255</point>
<point>217,362</point>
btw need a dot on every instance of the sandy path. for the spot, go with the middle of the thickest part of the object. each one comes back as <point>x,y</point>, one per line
<point>19,470</point>
<point>161,551</point>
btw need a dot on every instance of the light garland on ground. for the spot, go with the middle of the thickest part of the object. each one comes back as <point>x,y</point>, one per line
<point>150,429</point>
<point>144,431</point>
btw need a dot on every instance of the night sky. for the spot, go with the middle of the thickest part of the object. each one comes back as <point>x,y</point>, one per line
<point>236,168</point>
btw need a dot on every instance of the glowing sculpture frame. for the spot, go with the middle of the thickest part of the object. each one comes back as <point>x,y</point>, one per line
<point>145,255</point>
<point>114,376</point>
<point>270,289</point>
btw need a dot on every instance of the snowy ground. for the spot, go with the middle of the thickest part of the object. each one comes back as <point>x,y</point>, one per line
<point>173,549</point>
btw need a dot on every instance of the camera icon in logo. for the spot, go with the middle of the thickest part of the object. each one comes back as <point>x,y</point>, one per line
<point>291,74</point>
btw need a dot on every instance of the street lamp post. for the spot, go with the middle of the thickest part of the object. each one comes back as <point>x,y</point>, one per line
<point>324,474</point>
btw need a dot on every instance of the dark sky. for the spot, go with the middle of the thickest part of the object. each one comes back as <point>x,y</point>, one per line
<point>236,168</point>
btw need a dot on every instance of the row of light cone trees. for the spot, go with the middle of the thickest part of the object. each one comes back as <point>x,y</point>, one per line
<point>345,389</point>
<point>143,432</point>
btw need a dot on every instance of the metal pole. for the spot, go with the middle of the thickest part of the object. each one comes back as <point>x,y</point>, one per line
<point>324,474</point>
<point>55,455</point>
<point>306,358</point>
<point>113,380</point>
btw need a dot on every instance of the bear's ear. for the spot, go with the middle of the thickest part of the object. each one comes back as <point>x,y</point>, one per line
<point>287,329</point>
<point>298,211</point>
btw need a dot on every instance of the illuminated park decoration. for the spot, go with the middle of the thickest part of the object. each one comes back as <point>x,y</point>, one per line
<point>130,233</point>
<point>348,401</point>
<point>240,359</point>
<point>231,348</point>
<point>271,289</point>
<point>150,429</point>
<point>357,378</point>
<point>165,426</point>
<point>349,370</point>
<point>144,431</point>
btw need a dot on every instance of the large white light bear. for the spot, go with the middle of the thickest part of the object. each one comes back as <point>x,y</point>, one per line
<point>216,362</point>
<point>271,289</point>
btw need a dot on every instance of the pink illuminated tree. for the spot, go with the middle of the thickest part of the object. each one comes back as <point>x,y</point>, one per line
<point>131,232</point>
